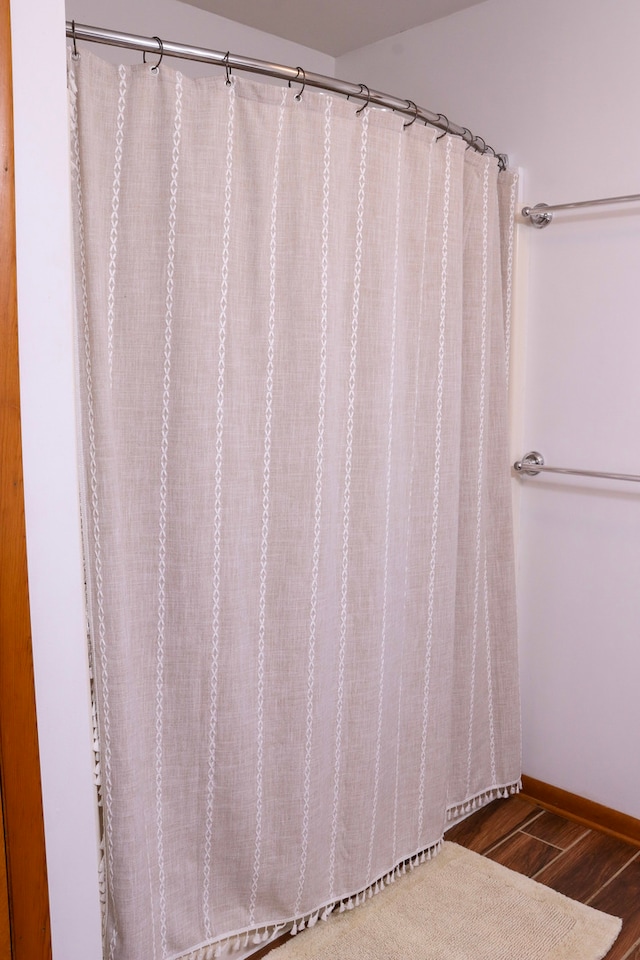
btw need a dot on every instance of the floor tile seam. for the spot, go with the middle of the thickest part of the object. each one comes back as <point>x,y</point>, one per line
<point>532,816</point>
<point>581,837</point>
<point>570,846</point>
<point>535,875</point>
<point>613,877</point>
<point>634,946</point>
<point>512,833</point>
<point>548,842</point>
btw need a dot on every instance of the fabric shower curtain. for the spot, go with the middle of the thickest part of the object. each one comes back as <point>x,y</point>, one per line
<point>292,317</point>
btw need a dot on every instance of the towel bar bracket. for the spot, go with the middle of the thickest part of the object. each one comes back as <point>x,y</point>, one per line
<point>533,459</point>
<point>537,216</point>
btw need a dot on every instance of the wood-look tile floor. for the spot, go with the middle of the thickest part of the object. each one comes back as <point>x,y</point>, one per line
<point>583,864</point>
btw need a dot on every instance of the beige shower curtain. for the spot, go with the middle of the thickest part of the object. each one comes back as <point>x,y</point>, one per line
<point>292,318</point>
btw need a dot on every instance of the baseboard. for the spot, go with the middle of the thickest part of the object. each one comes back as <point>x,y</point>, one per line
<point>587,812</point>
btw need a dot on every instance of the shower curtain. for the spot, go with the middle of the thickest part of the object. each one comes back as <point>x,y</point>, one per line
<point>292,315</point>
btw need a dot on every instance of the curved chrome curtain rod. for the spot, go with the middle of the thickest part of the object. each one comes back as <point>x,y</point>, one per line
<point>357,91</point>
<point>533,463</point>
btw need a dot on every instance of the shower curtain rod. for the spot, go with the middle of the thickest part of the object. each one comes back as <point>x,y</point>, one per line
<point>356,91</point>
<point>533,463</point>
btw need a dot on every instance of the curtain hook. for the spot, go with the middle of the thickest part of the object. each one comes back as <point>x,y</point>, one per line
<point>296,79</point>
<point>364,106</point>
<point>469,140</point>
<point>441,116</point>
<point>227,68</point>
<point>75,54</point>
<point>410,103</point>
<point>154,68</point>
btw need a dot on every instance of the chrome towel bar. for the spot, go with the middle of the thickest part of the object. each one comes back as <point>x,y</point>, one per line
<point>542,214</point>
<point>533,463</point>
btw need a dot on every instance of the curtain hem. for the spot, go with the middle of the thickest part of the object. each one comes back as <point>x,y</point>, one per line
<point>473,803</point>
<point>263,934</point>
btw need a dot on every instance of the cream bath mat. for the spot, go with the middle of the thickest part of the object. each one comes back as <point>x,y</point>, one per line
<point>460,906</point>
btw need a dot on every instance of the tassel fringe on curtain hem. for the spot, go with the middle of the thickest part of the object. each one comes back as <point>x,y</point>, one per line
<point>244,939</point>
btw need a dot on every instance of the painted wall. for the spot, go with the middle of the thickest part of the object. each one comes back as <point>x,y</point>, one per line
<point>182,23</point>
<point>47,386</point>
<point>555,85</point>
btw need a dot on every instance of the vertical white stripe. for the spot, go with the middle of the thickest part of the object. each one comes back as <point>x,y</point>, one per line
<point>324,318</point>
<point>101,639</point>
<point>412,471</point>
<point>162,532</point>
<point>480,463</point>
<point>151,910</point>
<point>355,312</point>
<point>509,278</point>
<point>115,205</point>
<point>217,519</point>
<point>487,629</point>
<point>426,691</point>
<point>264,544</point>
<point>387,522</point>
<point>394,838</point>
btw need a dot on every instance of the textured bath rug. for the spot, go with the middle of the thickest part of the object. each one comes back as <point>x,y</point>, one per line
<point>460,906</point>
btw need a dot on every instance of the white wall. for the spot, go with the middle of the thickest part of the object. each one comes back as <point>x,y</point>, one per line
<point>555,85</point>
<point>182,23</point>
<point>48,420</point>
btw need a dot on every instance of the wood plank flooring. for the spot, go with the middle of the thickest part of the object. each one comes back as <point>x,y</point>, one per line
<point>583,864</point>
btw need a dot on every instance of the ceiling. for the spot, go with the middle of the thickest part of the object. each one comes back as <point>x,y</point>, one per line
<point>334,27</point>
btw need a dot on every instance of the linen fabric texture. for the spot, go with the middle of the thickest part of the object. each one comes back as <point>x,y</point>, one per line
<point>292,320</point>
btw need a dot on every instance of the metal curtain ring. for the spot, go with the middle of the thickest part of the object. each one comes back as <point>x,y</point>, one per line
<point>154,68</point>
<point>296,79</point>
<point>75,53</point>
<point>364,106</point>
<point>443,117</point>
<point>227,69</point>
<point>410,103</point>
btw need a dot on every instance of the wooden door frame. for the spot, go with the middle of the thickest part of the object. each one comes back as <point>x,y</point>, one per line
<point>19,755</point>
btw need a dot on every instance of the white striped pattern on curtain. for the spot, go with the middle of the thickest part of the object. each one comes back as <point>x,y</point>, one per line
<point>292,387</point>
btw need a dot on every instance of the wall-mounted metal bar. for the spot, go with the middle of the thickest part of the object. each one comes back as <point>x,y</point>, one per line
<point>357,91</point>
<point>533,463</point>
<point>542,214</point>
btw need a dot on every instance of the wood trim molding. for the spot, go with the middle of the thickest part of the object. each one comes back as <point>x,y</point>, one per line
<point>5,925</point>
<point>19,756</point>
<point>587,812</point>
